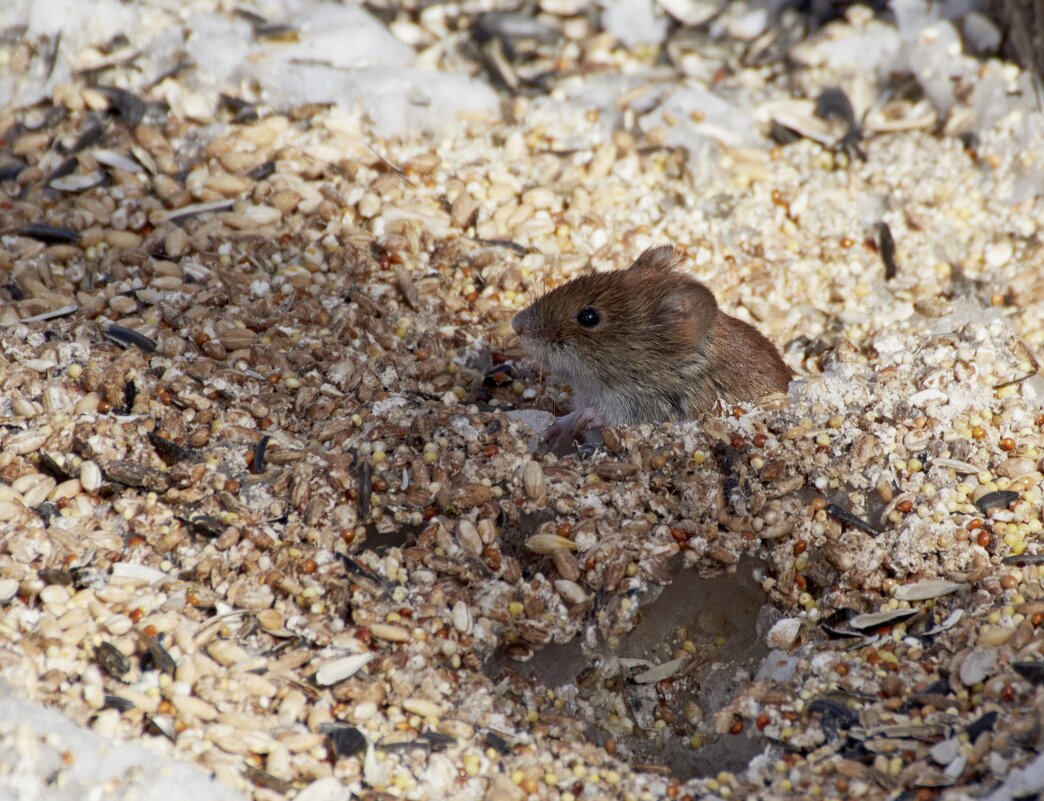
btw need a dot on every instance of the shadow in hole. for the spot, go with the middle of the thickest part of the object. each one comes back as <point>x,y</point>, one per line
<point>724,618</point>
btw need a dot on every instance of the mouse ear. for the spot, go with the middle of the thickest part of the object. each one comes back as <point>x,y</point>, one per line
<point>690,309</point>
<point>660,258</point>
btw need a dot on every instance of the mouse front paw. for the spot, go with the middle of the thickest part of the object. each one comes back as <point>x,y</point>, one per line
<point>567,428</point>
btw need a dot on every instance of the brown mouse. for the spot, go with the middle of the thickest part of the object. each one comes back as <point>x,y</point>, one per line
<point>644,345</point>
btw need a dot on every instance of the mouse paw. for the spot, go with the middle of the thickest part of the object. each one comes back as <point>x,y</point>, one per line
<point>567,428</point>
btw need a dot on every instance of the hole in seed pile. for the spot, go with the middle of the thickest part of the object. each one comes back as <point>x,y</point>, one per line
<point>399,537</point>
<point>652,695</point>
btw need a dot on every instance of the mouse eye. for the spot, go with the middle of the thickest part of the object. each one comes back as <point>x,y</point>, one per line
<point>588,317</point>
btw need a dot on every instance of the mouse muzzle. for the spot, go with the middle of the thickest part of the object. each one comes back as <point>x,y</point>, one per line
<point>531,331</point>
<point>522,323</point>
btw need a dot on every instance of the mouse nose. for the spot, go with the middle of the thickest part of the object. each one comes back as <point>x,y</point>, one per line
<point>518,323</point>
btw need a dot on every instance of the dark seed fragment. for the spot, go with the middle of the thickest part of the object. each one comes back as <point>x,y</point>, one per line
<point>497,743</point>
<point>365,489</point>
<point>347,741</point>
<point>782,135</point>
<point>429,741</point>
<point>50,575</point>
<point>208,525</point>
<point>130,394</point>
<point>133,474</point>
<point>850,519</point>
<point>262,171</point>
<point>833,104</point>
<point>91,133</point>
<point>734,486</point>
<point>48,463</point>
<point>117,703</point>
<point>970,140</point>
<point>992,500</point>
<point>836,716</point>
<point>507,25</point>
<point>63,169</point>
<point>437,741</point>
<point>276,32</point>
<point>160,727</point>
<point>886,246</point>
<point>242,110</point>
<point>984,723</point>
<point>937,694</point>
<point>358,569</point>
<point>521,250</point>
<point>127,337</point>
<point>112,660</point>
<point>87,577</point>
<point>170,452</point>
<point>128,105</point>
<point>258,464</point>
<point>48,234</point>
<point>10,171</point>
<point>160,659</point>
<point>117,42</point>
<point>52,58</point>
<point>264,29</point>
<point>47,512</point>
<point>1032,672</point>
<point>1024,559</point>
<point>262,778</point>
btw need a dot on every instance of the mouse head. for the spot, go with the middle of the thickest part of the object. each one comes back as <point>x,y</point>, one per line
<point>620,329</point>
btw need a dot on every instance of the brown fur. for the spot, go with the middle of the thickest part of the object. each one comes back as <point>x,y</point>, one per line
<point>748,367</point>
<point>662,349</point>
